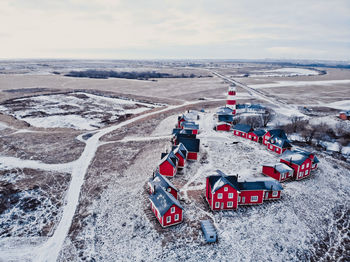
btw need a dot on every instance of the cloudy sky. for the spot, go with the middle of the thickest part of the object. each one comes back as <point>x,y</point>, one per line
<point>137,29</point>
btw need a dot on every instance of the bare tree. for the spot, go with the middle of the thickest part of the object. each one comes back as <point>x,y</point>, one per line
<point>296,121</point>
<point>253,121</point>
<point>308,134</point>
<point>236,120</point>
<point>267,117</point>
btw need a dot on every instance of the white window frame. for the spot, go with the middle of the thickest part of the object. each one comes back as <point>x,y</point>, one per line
<point>177,217</point>
<point>250,136</point>
<point>306,172</point>
<point>219,195</point>
<point>302,166</point>
<point>229,204</point>
<point>301,174</point>
<point>283,175</point>
<point>225,188</point>
<point>307,165</point>
<point>254,199</point>
<point>230,195</point>
<point>172,211</point>
<point>274,193</point>
<point>168,219</point>
<point>217,204</point>
<point>158,214</point>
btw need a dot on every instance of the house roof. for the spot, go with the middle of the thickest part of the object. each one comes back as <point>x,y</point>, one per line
<point>222,123</point>
<point>280,142</point>
<point>260,132</point>
<point>296,156</point>
<point>163,200</point>
<point>191,144</point>
<point>260,185</point>
<point>243,127</point>
<point>315,160</point>
<point>181,131</point>
<point>225,118</point>
<point>162,181</point>
<point>280,167</point>
<point>190,125</point>
<point>218,181</point>
<point>347,113</point>
<point>181,149</point>
<point>171,158</point>
<point>224,111</point>
<point>277,133</point>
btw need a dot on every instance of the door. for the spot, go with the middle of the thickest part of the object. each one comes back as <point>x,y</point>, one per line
<point>266,195</point>
<point>243,200</point>
<point>222,205</point>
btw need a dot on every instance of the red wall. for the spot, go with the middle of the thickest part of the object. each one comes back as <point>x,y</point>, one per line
<point>270,197</point>
<point>168,213</point>
<point>166,169</point>
<point>248,193</point>
<point>224,199</point>
<point>231,93</point>
<point>181,162</point>
<point>230,102</point>
<point>239,133</point>
<point>192,156</point>
<point>223,127</point>
<point>270,171</point>
<point>253,137</point>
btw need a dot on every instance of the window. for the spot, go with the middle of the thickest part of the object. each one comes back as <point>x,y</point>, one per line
<point>226,188</point>
<point>239,198</point>
<point>306,172</point>
<point>243,199</point>
<point>172,210</point>
<point>230,195</point>
<point>302,166</point>
<point>230,204</point>
<point>176,217</point>
<point>283,176</point>
<point>217,204</point>
<point>307,165</point>
<point>275,193</point>
<point>254,198</point>
<point>168,219</point>
<point>301,174</point>
<point>250,136</point>
<point>220,196</point>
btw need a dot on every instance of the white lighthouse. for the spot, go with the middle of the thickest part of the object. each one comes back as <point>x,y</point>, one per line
<point>231,98</point>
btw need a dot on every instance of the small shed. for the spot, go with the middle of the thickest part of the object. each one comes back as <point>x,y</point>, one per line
<point>209,231</point>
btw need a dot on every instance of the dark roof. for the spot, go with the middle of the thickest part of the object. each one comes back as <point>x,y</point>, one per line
<point>187,134</point>
<point>260,132</point>
<point>347,113</point>
<point>181,149</point>
<point>190,125</point>
<point>162,181</point>
<point>315,161</point>
<point>181,131</point>
<point>171,158</point>
<point>225,118</point>
<point>224,111</point>
<point>260,185</point>
<point>296,156</point>
<point>278,133</point>
<point>191,144</point>
<point>163,200</point>
<point>243,127</point>
<point>280,142</point>
<point>220,179</point>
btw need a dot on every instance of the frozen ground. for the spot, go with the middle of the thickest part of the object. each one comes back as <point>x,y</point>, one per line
<point>300,83</point>
<point>284,72</point>
<point>82,111</point>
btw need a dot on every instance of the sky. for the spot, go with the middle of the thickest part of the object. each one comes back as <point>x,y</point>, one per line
<point>177,29</point>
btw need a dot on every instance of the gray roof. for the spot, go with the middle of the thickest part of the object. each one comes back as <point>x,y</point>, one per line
<point>280,142</point>
<point>297,156</point>
<point>243,127</point>
<point>181,149</point>
<point>163,200</point>
<point>260,185</point>
<point>260,132</point>
<point>224,111</point>
<point>190,125</point>
<point>278,133</point>
<point>280,167</point>
<point>162,181</point>
<point>171,158</point>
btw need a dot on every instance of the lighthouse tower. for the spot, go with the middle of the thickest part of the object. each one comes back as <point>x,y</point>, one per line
<point>231,98</point>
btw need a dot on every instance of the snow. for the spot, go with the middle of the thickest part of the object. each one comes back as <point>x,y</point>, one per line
<point>285,72</point>
<point>3,125</point>
<point>300,83</point>
<point>341,105</point>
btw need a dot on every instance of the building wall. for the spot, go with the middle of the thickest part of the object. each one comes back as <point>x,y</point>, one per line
<point>222,202</point>
<point>172,216</point>
<point>181,162</point>
<point>271,172</point>
<point>166,169</point>
<point>270,195</point>
<point>247,194</point>
<point>192,156</point>
<point>253,137</point>
<point>223,127</point>
<point>239,133</point>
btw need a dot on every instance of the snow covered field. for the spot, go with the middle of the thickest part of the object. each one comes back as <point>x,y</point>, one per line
<point>284,72</point>
<point>300,83</point>
<point>82,111</point>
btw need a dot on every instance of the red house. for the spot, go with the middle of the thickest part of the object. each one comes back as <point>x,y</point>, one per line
<point>257,135</point>
<point>276,141</point>
<point>191,144</point>
<point>181,153</point>
<point>225,192</point>
<point>279,171</point>
<point>190,125</point>
<point>242,130</point>
<point>160,181</point>
<point>168,164</point>
<point>344,115</point>
<point>166,208</point>
<point>302,162</point>
<point>223,126</point>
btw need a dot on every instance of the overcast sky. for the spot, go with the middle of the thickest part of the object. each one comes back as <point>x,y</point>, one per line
<point>138,29</point>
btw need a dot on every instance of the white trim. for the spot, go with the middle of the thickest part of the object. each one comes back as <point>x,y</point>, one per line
<point>230,195</point>
<point>172,210</point>
<point>253,197</point>
<point>229,204</point>
<point>225,188</point>
<point>217,204</point>
<point>168,219</point>
<point>177,217</point>
<point>274,193</point>
<point>219,195</point>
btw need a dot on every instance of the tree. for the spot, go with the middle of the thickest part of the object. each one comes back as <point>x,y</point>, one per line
<point>253,121</point>
<point>267,117</point>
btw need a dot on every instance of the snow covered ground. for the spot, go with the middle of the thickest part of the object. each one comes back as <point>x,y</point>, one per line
<point>299,83</point>
<point>82,111</point>
<point>284,72</point>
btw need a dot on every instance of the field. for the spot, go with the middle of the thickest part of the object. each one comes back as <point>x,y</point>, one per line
<point>76,155</point>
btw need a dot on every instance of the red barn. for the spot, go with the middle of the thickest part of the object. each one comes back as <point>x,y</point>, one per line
<point>301,161</point>
<point>160,181</point>
<point>225,192</point>
<point>223,126</point>
<point>181,153</point>
<point>166,208</point>
<point>278,171</point>
<point>168,165</point>
<point>242,130</point>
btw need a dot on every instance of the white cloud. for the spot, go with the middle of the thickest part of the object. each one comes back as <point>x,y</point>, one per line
<point>161,28</point>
